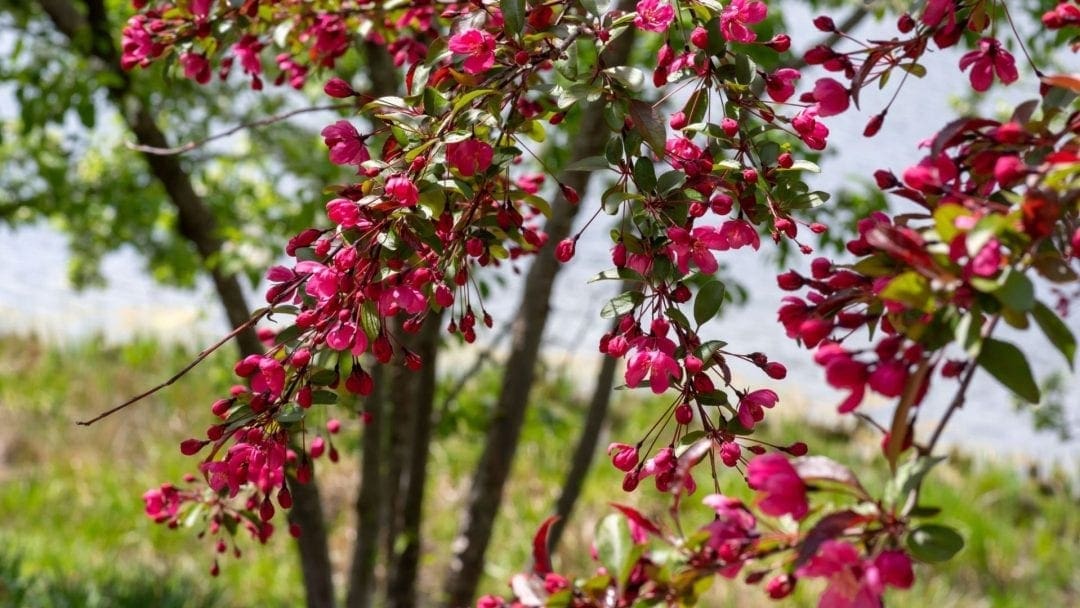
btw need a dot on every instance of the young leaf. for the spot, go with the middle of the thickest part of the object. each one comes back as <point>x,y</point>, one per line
<point>823,469</point>
<point>513,16</point>
<point>648,122</point>
<point>1007,365</point>
<point>613,543</point>
<point>934,543</point>
<point>541,556</point>
<point>621,304</point>
<point>708,302</point>
<point>1056,331</point>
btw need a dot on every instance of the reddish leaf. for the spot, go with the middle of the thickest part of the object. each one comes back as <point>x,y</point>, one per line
<point>635,516</point>
<point>827,528</point>
<point>1070,82</point>
<point>823,469</point>
<point>541,556</point>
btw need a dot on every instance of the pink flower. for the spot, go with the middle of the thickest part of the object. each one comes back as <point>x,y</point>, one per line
<point>478,45</point>
<point>781,84</point>
<point>750,412</point>
<point>270,378</point>
<point>659,366</point>
<point>889,378</point>
<point>247,51</point>
<point>780,489</point>
<point>162,504</point>
<point>853,581</point>
<point>812,132</point>
<point>832,97</point>
<point>401,298</point>
<point>402,190</point>
<point>343,212</point>
<point>989,59</point>
<point>694,246</point>
<point>196,67</point>
<point>737,16</point>
<point>931,174</point>
<point>937,11</point>
<point>345,143</point>
<point>469,157</point>
<point>732,533</point>
<point>740,233</point>
<point>201,8</point>
<point>654,16</point>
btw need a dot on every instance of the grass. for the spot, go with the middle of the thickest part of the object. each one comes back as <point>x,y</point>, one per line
<point>75,535</point>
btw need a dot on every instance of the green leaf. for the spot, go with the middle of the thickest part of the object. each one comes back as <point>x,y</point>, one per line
<point>1056,331</point>
<point>612,274</point>
<point>514,16</point>
<point>324,397</point>
<point>1016,291</point>
<point>369,320</point>
<point>630,77</point>
<point>1007,364</point>
<point>613,543</point>
<point>708,302</point>
<point>934,543</point>
<point>649,124</point>
<point>621,304</point>
<point>907,480</point>
<point>669,181</point>
<point>644,174</point>
<point>589,164</point>
<point>909,288</point>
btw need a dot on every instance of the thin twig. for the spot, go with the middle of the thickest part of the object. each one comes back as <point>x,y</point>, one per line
<point>961,394</point>
<point>180,374</point>
<point>262,122</point>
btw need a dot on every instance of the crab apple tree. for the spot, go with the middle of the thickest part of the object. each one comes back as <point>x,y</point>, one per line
<point>710,131</point>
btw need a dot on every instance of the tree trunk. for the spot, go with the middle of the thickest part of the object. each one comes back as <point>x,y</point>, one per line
<point>405,561</point>
<point>504,429</point>
<point>586,448</point>
<point>198,225</point>
<point>368,502</point>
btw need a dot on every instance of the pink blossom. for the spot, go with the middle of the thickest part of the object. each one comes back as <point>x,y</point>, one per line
<point>931,174</point>
<point>737,16</point>
<point>989,59</point>
<point>654,15</point>
<point>832,97</point>
<point>812,132</point>
<point>659,366</point>
<point>343,212</point>
<point>196,67</point>
<point>401,298</point>
<point>162,504</point>
<point>345,143</point>
<point>889,378</point>
<point>247,51</point>
<point>402,190</point>
<point>750,412</point>
<point>625,456</point>
<point>270,377</point>
<point>732,533</point>
<point>780,85</point>
<point>469,157</point>
<point>852,581</point>
<point>937,11</point>
<point>687,246</point>
<point>478,45</point>
<point>987,262</point>
<point>780,489</point>
<point>740,233</point>
<point>201,8</point>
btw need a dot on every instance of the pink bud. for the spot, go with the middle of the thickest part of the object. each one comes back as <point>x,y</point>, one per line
<point>318,446</point>
<point>333,426</point>
<point>775,370</point>
<point>338,88</point>
<point>190,447</point>
<point>684,414</point>
<point>564,251</point>
<point>678,120</point>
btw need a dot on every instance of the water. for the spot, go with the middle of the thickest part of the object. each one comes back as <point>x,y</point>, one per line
<point>37,298</point>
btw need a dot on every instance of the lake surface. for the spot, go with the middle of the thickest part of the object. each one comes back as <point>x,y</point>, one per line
<point>37,298</point>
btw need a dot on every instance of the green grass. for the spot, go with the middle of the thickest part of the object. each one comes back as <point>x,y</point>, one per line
<point>75,535</point>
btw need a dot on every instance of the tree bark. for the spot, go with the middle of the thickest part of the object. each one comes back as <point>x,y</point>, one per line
<point>368,502</point>
<point>504,429</point>
<point>585,450</point>
<point>198,225</point>
<point>405,562</point>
